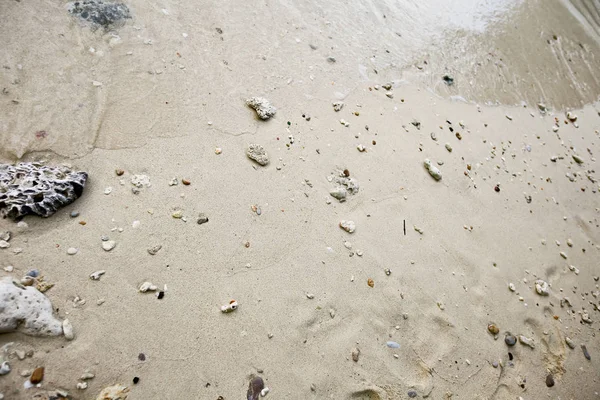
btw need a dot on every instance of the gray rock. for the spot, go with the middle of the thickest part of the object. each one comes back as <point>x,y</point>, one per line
<point>257,153</point>
<point>31,188</point>
<point>99,13</point>
<point>262,106</point>
<point>202,219</point>
<point>154,249</point>
<point>109,245</point>
<point>26,310</point>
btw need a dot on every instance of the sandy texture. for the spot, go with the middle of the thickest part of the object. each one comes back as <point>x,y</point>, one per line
<point>428,266</point>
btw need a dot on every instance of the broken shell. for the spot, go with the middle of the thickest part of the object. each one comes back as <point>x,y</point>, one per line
<point>232,306</point>
<point>541,287</point>
<point>147,287</point>
<point>255,386</point>
<point>96,275</point>
<point>4,368</point>
<point>370,282</point>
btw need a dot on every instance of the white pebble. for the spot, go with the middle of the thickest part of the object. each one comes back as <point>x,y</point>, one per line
<point>72,251</point>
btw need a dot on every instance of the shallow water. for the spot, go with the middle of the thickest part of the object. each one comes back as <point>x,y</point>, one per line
<point>168,71</point>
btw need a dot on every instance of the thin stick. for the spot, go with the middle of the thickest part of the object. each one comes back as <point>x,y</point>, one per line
<point>404,227</point>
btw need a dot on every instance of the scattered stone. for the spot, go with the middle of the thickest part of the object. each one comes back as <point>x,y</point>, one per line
<point>585,317</point>
<point>43,286</point>
<point>569,243</point>
<point>448,80</point>
<point>310,296</point>
<point>109,245</point>
<point>495,364</point>
<point>493,329</point>
<point>393,345</point>
<point>26,310</point>
<point>9,268</point>
<point>339,193</point>
<point>4,244</point>
<point>108,190</point>
<point>433,170</point>
<point>370,282</point>
<point>37,375</point>
<point>257,153</point>
<point>510,340</point>
<point>82,385</point>
<point>5,236</point>
<point>569,342</point>
<point>255,387</point>
<point>355,354</point>
<point>332,313</point>
<point>571,117</point>
<point>549,380</point>
<point>338,105</point>
<point>115,392</point>
<point>577,159</point>
<point>511,287</point>
<point>202,219</point>
<point>31,188</point>
<point>348,226</point>
<point>563,255</point>
<point>448,147</point>
<point>232,306</point>
<point>586,354</point>
<point>262,106</point>
<point>154,249</point>
<point>173,182</point>
<point>86,376</point>
<point>361,148</point>
<point>68,329</point>
<point>72,251</point>
<point>542,288</point>
<point>119,172</point>
<point>526,341</point>
<point>177,214</point>
<point>95,276</point>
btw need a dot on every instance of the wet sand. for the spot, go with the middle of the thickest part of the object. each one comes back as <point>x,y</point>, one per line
<point>164,109</point>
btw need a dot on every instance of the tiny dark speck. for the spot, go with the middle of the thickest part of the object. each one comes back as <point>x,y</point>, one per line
<point>142,357</point>
<point>136,380</point>
<point>161,295</point>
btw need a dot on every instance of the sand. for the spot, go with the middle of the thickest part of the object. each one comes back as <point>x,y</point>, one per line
<point>164,109</point>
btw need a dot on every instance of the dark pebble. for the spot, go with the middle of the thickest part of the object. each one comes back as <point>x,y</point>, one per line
<point>586,354</point>
<point>448,80</point>
<point>497,188</point>
<point>549,380</point>
<point>160,295</point>
<point>412,393</point>
<point>136,380</point>
<point>142,357</point>
<point>510,340</point>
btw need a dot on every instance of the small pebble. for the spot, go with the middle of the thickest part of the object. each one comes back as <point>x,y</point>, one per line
<point>37,375</point>
<point>355,354</point>
<point>108,245</point>
<point>72,251</point>
<point>82,385</point>
<point>586,354</point>
<point>510,340</point>
<point>493,329</point>
<point>412,394</point>
<point>549,380</point>
<point>74,214</point>
<point>393,345</point>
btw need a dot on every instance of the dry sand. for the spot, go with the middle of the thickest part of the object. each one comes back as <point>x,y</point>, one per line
<point>164,109</point>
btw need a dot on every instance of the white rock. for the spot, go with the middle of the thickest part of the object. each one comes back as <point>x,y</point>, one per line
<point>147,287</point>
<point>338,105</point>
<point>140,181</point>
<point>262,106</point>
<point>108,190</point>
<point>257,153</point>
<point>26,310</point>
<point>86,376</point>
<point>109,245</point>
<point>264,392</point>
<point>541,287</point>
<point>511,287</point>
<point>115,392</point>
<point>95,276</point>
<point>9,268</point>
<point>135,224</point>
<point>68,329</point>
<point>433,170</point>
<point>72,251</point>
<point>348,226</point>
<point>4,244</point>
<point>82,385</point>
